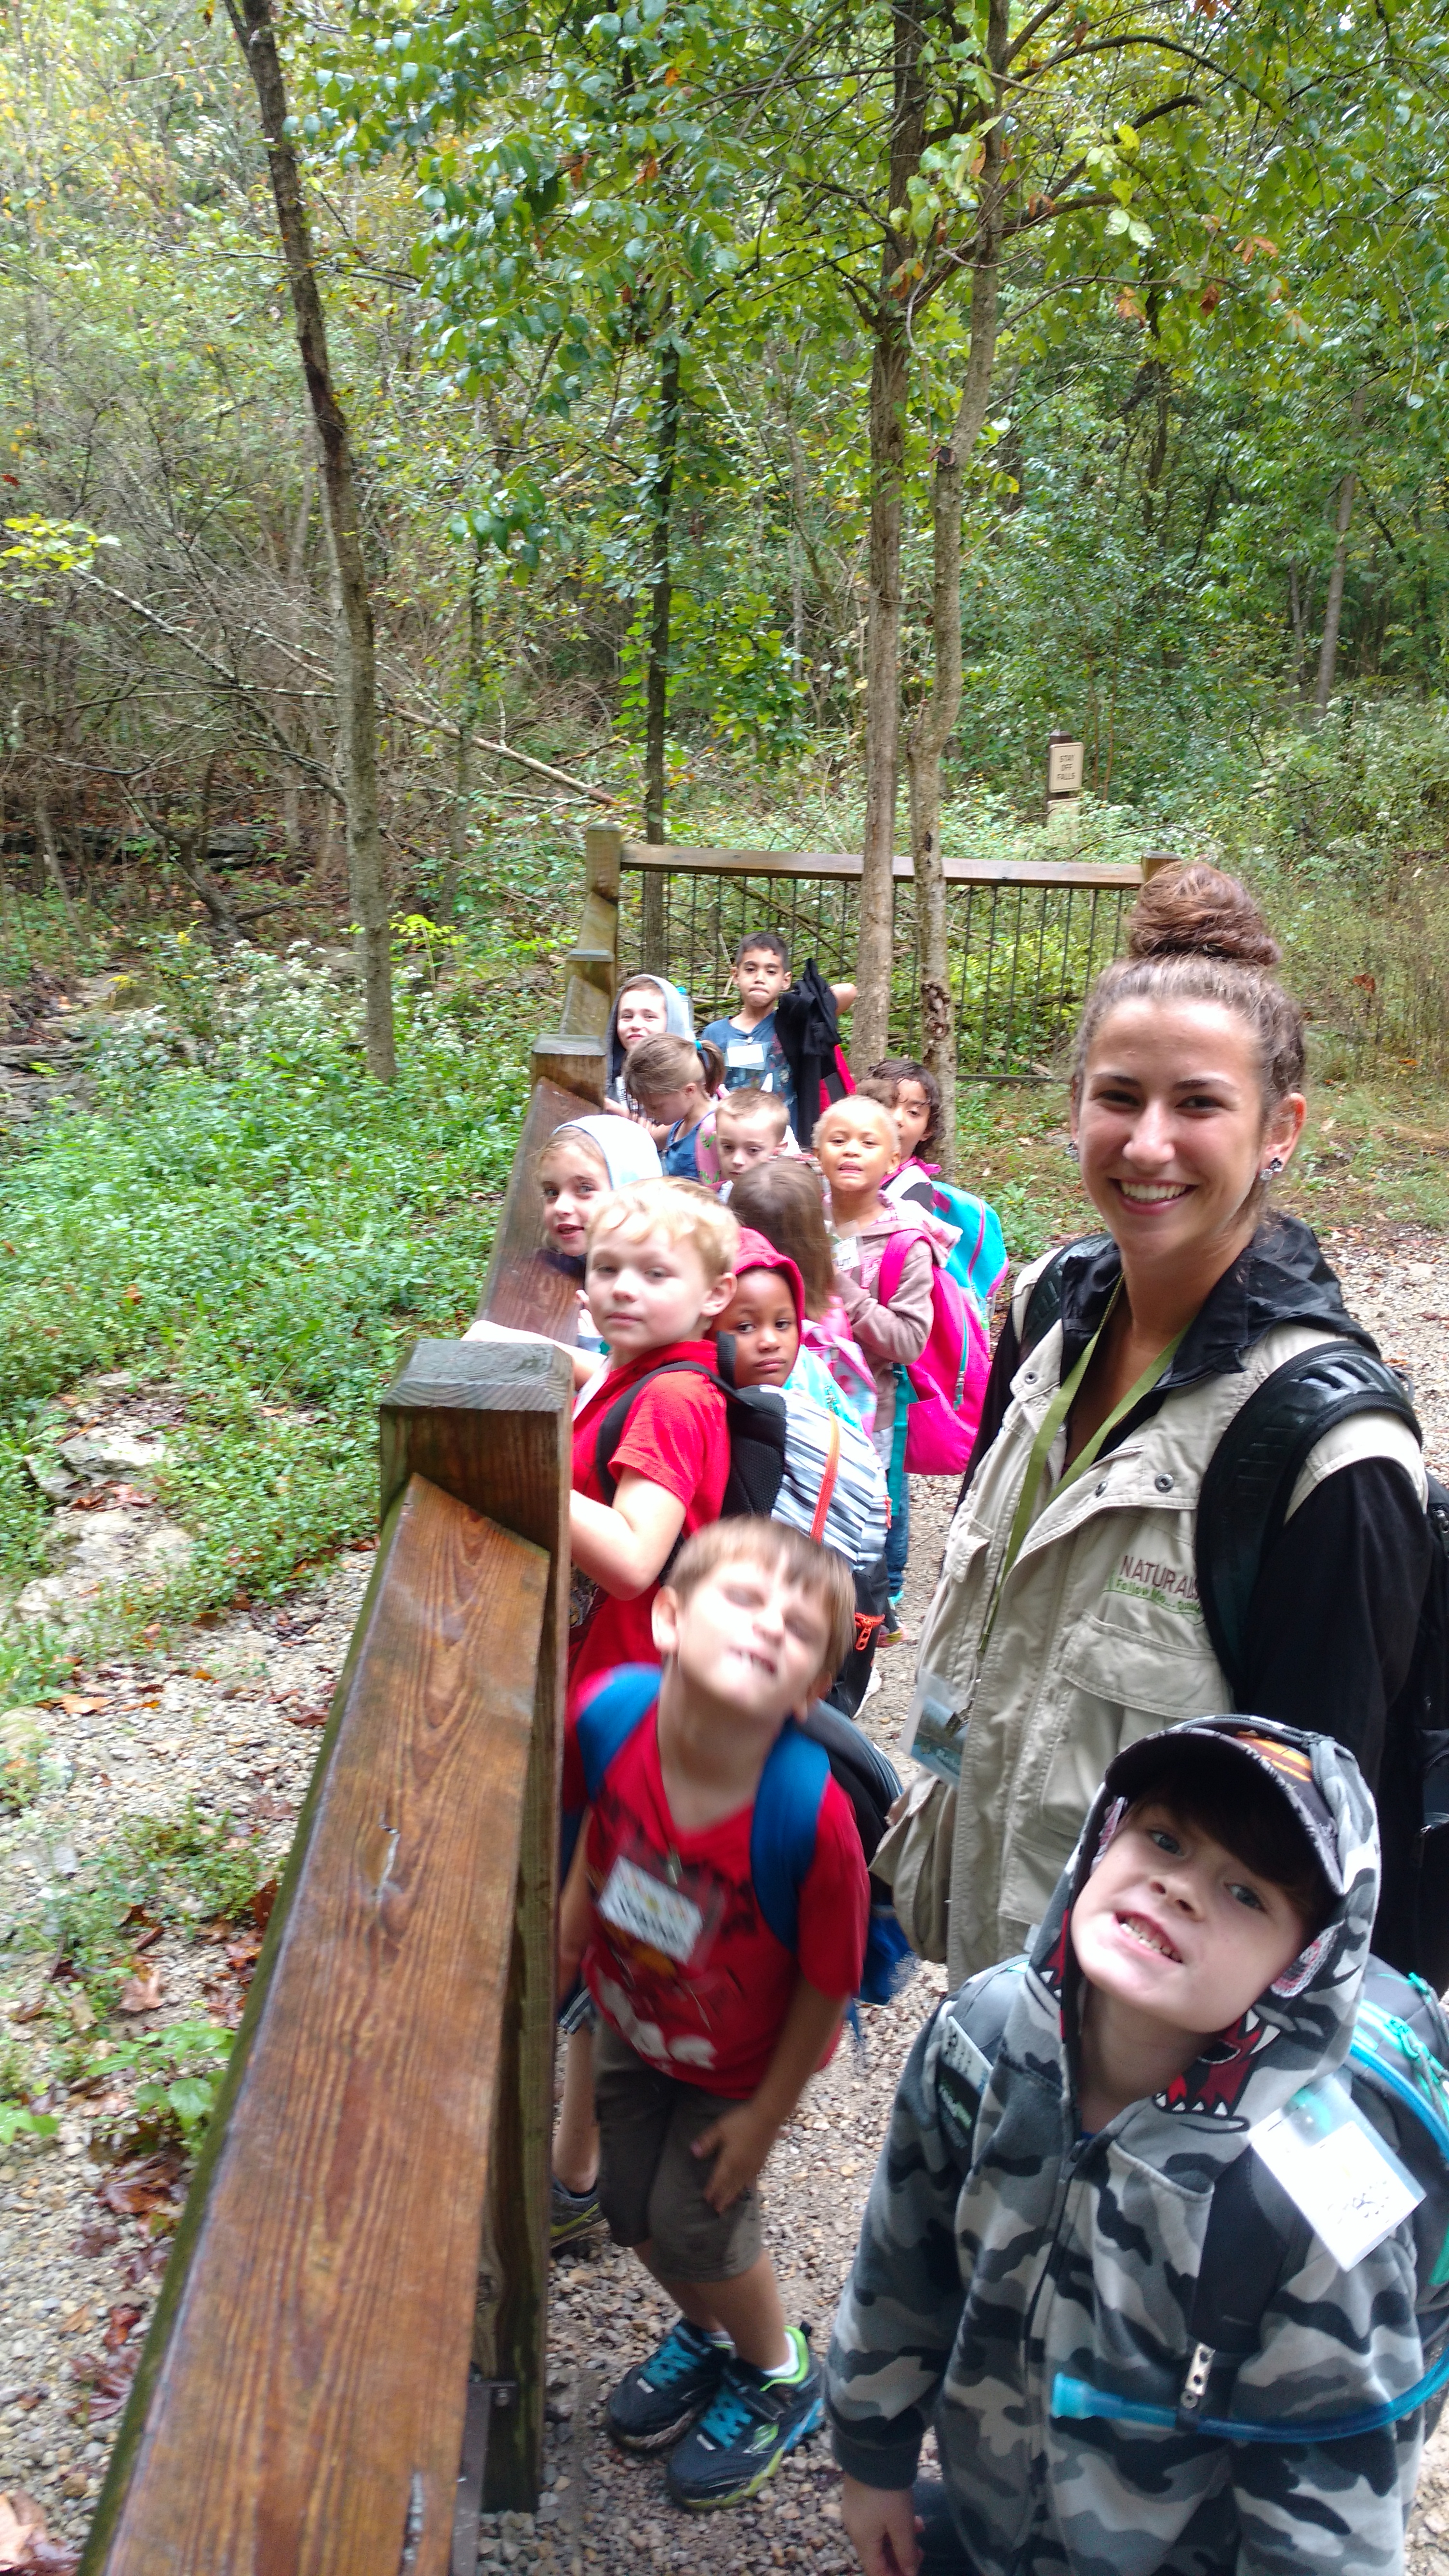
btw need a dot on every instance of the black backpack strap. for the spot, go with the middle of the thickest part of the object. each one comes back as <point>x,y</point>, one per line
<point>755,1417</point>
<point>860,1767</point>
<point>1252,1472</point>
<point>611,1429</point>
<point>1044,1305</point>
<point>1255,2236</point>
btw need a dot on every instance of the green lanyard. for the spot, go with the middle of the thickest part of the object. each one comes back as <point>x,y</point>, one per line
<point>1029,1501</point>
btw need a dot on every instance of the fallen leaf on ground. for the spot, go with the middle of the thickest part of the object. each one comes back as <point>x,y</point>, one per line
<point>132,1498</point>
<point>26,2545</point>
<point>145,2263</point>
<point>141,1993</point>
<point>109,2382</point>
<point>134,2190</point>
<point>20,2519</point>
<point>262,1903</point>
<point>305,1716</point>
<point>78,2322</point>
<point>75,1706</point>
<point>120,2326</point>
<point>97,2236</point>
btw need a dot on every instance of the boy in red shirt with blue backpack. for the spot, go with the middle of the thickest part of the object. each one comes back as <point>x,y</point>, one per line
<point>718,1905</point>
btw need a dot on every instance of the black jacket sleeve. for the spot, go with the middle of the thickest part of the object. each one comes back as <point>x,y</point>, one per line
<point>1334,1643</point>
<point>1332,1627</point>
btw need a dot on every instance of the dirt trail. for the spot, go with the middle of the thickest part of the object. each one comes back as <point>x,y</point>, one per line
<point>227,1722</point>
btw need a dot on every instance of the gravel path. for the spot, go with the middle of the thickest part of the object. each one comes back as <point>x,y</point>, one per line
<point>227,1722</point>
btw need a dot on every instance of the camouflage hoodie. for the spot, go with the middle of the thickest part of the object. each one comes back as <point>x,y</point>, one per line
<point>1001,2246</point>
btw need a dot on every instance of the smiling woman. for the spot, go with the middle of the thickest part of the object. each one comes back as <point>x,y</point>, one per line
<point>1069,1620</point>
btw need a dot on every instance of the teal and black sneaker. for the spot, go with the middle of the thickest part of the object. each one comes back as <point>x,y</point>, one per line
<point>571,2214</point>
<point>654,2402</point>
<point>745,2432</point>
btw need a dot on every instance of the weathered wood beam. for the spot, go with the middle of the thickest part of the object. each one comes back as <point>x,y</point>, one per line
<point>300,2400</point>
<point>492,1422</point>
<point>680,859</point>
<point>526,1284</point>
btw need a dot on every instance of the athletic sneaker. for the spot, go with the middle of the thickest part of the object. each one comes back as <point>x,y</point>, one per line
<point>895,1632</point>
<point>654,2402</point>
<point>746,2430</point>
<point>571,2214</point>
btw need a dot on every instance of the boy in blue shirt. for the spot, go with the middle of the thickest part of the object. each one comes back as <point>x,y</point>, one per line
<point>751,1049</point>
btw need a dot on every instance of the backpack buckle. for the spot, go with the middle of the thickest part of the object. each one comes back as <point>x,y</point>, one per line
<point>1199,2372</point>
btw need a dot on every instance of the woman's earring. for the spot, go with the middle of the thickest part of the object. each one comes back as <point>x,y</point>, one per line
<point>1269,1169</point>
<point>1072,1150</point>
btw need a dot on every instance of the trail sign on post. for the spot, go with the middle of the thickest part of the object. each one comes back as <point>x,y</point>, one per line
<point>1065,762</point>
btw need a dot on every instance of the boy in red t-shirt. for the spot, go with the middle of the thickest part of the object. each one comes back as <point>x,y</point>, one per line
<point>658,1269</point>
<point>712,2027</point>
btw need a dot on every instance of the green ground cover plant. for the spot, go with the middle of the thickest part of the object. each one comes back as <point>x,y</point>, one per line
<point>241,1214</point>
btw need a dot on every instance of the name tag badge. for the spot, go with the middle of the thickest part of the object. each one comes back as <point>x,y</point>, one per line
<point>1335,2167</point>
<point>935,1733</point>
<point>663,1918</point>
<point>745,1055</point>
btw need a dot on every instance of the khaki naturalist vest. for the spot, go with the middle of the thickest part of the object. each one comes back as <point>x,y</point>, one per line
<point>1099,1636</point>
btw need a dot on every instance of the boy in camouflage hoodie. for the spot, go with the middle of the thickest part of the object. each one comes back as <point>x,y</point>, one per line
<point>1043,2199</point>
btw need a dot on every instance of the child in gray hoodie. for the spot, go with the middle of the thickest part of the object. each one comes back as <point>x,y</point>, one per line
<point>1040,2216</point>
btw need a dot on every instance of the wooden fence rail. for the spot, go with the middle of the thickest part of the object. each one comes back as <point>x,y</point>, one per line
<point>1027,936</point>
<point>299,2409</point>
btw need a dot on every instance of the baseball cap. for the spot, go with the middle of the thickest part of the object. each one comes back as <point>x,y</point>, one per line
<point>1280,1753</point>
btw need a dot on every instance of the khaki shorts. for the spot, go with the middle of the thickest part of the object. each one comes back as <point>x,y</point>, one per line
<point>650,2186</point>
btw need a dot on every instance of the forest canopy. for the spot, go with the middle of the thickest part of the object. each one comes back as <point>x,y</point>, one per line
<point>669,339</point>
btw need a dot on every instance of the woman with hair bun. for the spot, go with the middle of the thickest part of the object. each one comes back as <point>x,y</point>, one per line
<point>1067,1621</point>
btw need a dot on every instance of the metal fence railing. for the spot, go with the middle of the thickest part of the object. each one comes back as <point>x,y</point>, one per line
<point>1026,937</point>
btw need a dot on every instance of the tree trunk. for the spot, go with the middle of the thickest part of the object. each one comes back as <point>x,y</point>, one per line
<point>936,719</point>
<point>357,678</point>
<point>889,377</point>
<point>467,725</point>
<point>191,855</point>
<point>1333,606</point>
<point>296,575</point>
<point>656,688</point>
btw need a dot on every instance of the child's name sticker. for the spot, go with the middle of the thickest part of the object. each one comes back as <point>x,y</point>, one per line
<point>745,1055</point>
<point>663,1918</point>
<point>1335,2167</point>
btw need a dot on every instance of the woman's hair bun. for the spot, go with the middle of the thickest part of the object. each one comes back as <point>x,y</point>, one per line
<point>1194,910</point>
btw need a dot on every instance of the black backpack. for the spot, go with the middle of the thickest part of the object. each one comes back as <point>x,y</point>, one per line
<point>755,1417</point>
<point>1243,1506</point>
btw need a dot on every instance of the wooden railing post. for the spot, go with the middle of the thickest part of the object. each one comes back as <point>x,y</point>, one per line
<point>490,1421</point>
<point>576,1062</point>
<point>593,963</point>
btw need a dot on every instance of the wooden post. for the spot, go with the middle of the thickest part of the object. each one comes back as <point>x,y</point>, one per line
<point>491,1422</point>
<point>1152,860</point>
<point>593,963</point>
<point>577,1064</point>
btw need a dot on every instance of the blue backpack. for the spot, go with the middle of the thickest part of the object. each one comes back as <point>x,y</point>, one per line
<point>978,1260</point>
<point>787,1811</point>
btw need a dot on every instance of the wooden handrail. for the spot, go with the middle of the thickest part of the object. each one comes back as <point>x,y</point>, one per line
<point>299,2404</point>
<point>370,2210</point>
<point>677,858</point>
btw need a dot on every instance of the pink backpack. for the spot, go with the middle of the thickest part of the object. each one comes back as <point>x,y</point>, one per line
<point>948,1381</point>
